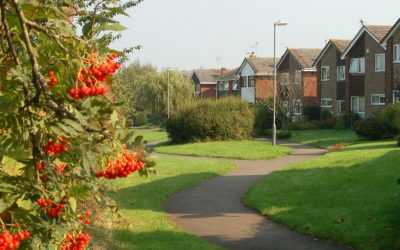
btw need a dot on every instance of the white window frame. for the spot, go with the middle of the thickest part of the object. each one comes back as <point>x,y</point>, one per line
<point>322,73</point>
<point>344,73</point>
<point>359,63</point>
<point>358,108</point>
<point>295,102</point>
<point>235,85</point>
<point>396,53</point>
<point>380,103</point>
<point>326,100</point>
<point>339,106</point>
<point>396,99</point>
<point>378,67</point>
<point>246,82</point>
<point>297,76</point>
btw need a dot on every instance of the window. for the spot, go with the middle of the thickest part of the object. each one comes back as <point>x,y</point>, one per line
<point>284,78</point>
<point>297,107</point>
<point>220,85</point>
<point>379,62</point>
<point>235,85</point>
<point>341,73</point>
<point>251,81</point>
<point>340,108</point>
<point>357,65</point>
<point>378,99</point>
<point>396,53</point>
<point>326,103</point>
<point>324,73</point>
<point>358,104</point>
<point>396,96</point>
<point>297,77</point>
<point>244,81</point>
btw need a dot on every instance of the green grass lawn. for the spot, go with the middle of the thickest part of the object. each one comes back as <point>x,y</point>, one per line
<point>323,138</point>
<point>152,135</point>
<point>350,197</point>
<point>141,202</point>
<point>247,150</point>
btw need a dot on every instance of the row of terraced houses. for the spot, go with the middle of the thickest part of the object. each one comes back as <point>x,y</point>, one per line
<point>360,76</point>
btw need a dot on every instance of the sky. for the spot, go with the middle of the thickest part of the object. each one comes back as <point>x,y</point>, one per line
<point>189,34</point>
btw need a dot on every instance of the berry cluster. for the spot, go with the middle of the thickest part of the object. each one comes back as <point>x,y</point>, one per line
<point>60,169</point>
<point>92,77</point>
<point>52,210</point>
<point>77,242</point>
<point>10,242</point>
<point>53,80</point>
<point>53,148</point>
<point>125,165</point>
<point>85,218</point>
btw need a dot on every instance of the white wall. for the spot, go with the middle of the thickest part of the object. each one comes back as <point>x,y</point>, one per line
<point>247,70</point>
<point>247,93</point>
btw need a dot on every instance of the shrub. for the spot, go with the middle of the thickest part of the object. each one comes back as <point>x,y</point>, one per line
<point>225,119</point>
<point>391,115</point>
<point>263,117</point>
<point>373,128</point>
<point>312,113</point>
<point>139,119</point>
<point>398,140</point>
<point>284,134</point>
<point>301,125</point>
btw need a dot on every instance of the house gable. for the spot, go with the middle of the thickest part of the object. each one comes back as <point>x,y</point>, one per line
<point>246,69</point>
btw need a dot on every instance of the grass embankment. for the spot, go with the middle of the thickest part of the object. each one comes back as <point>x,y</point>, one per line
<point>152,135</point>
<point>246,150</point>
<point>350,197</point>
<point>141,202</point>
<point>324,138</point>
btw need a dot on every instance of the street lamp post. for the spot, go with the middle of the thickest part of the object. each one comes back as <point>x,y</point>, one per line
<point>279,23</point>
<point>168,94</point>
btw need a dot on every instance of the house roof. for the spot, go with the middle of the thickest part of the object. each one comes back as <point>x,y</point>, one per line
<point>260,65</point>
<point>339,44</point>
<point>305,57</point>
<point>377,32</point>
<point>229,75</point>
<point>395,27</point>
<point>207,76</point>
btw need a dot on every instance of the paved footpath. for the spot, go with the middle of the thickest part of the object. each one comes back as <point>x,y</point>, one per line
<point>214,209</point>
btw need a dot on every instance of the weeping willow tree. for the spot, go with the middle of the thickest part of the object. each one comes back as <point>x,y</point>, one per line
<point>140,87</point>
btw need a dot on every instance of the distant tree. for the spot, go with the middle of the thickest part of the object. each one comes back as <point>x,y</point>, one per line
<point>142,87</point>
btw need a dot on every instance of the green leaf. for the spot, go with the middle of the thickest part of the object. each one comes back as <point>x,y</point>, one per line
<point>67,129</point>
<point>11,166</point>
<point>72,202</point>
<point>80,117</point>
<point>114,118</point>
<point>73,124</point>
<point>25,204</point>
<point>112,27</point>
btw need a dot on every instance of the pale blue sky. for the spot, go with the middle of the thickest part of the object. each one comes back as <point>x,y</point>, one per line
<point>188,34</point>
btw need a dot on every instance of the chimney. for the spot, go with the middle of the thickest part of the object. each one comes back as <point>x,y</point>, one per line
<point>223,71</point>
<point>253,54</point>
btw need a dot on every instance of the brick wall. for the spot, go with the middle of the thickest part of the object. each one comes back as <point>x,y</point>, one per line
<point>389,72</point>
<point>396,66</point>
<point>328,87</point>
<point>264,87</point>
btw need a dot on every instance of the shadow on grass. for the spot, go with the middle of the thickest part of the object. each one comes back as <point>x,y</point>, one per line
<point>356,205</point>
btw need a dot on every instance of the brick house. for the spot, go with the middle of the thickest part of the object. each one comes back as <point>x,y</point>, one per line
<point>295,71</point>
<point>365,71</point>
<point>392,82</point>
<point>331,76</point>
<point>228,84</point>
<point>205,82</point>
<point>256,78</point>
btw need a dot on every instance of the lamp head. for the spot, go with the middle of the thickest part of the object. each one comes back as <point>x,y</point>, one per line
<point>281,23</point>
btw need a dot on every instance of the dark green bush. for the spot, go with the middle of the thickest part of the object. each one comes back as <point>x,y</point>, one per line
<point>225,119</point>
<point>301,125</point>
<point>343,122</point>
<point>398,140</point>
<point>391,115</point>
<point>312,113</point>
<point>284,134</point>
<point>373,128</point>
<point>139,119</point>
<point>263,117</point>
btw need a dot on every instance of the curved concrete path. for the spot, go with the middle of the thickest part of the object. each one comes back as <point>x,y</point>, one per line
<point>214,209</point>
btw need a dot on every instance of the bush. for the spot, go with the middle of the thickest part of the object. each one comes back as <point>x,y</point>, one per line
<point>225,119</point>
<point>312,113</point>
<point>139,119</point>
<point>391,116</point>
<point>263,117</point>
<point>398,140</point>
<point>284,134</point>
<point>301,125</point>
<point>373,128</point>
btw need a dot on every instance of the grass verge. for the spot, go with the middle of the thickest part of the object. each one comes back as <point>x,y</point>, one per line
<point>349,197</point>
<point>152,135</point>
<point>324,138</point>
<point>245,150</point>
<point>141,202</point>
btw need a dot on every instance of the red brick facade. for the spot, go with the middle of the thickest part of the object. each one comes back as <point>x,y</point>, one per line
<point>208,91</point>
<point>264,87</point>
